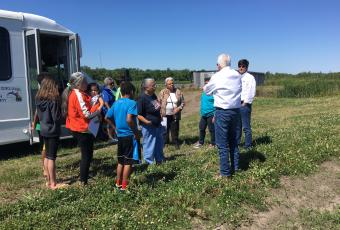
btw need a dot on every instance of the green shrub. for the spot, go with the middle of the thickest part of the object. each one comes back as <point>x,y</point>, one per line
<point>301,85</point>
<point>310,88</point>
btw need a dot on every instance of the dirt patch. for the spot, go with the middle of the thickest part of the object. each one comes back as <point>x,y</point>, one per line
<point>192,102</point>
<point>320,191</point>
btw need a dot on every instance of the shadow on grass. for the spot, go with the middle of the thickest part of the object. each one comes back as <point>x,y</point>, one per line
<point>249,156</point>
<point>102,166</point>
<point>23,149</point>
<point>174,157</point>
<point>69,180</point>
<point>18,150</point>
<point>139,168</point>
<point>188,140</point>
<point>262,140</point>
<point>153,178</point>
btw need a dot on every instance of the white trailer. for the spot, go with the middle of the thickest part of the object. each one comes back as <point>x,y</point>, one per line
<point>30,44</point>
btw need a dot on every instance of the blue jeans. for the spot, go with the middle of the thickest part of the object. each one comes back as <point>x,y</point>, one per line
<point>153,143</point>
<point>244,122</point>
<point>226,124</point>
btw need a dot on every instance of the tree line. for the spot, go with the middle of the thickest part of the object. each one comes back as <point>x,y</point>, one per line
<point>135,74</point>
<point>303,75</point>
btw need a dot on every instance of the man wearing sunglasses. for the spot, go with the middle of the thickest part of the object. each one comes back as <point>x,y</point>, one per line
<point>247,97</point>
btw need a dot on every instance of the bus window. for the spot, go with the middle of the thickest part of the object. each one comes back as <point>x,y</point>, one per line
<point>5,56</point>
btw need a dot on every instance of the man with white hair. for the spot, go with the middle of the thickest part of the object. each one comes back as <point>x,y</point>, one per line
<point>225,86</point>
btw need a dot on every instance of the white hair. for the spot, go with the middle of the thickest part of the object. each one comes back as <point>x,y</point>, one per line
<point>76,79</point>
<point>108,80</point>
<point>146,82</point>
<point>223,60</point>
<point>168,79</point>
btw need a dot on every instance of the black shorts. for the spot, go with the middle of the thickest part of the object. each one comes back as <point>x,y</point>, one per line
<point>51,146</point>
<point>125,150</point>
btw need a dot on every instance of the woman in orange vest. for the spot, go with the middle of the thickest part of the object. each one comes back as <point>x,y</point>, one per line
<point>76,107</point>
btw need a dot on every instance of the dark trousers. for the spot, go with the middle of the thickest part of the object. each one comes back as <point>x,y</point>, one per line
<point>172,129</point>
<point>204,122</point>
<point>85,142</point>
<point>244,122</point>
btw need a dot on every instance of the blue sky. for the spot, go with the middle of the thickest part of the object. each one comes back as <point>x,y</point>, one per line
<point>278,36</point>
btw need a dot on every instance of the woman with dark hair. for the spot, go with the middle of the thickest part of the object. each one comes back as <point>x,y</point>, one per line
<point>49,114</point>
<point>76,107</point>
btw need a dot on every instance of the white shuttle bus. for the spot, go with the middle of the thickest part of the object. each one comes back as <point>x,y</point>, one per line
<point>30,44</point>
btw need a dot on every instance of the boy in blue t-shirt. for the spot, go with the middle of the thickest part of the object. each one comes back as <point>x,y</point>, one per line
<point>207,118</point>
<point>123,116</point>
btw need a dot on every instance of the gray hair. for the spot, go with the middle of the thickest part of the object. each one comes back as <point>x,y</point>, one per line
<point>168,79</point>
<point>223,60</point>
<point>108,80</point>
<point>76,79</point>
<point>146,82</point>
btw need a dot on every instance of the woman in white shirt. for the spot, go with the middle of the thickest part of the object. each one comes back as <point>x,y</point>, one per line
<point>172,103</point>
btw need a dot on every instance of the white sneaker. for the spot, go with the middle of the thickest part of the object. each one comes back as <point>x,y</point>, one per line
<point>197,145</point>
<point>113,141</point>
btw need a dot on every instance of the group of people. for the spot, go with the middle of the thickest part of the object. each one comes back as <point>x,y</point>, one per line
<point>81,103</point>
<point>225,108</point>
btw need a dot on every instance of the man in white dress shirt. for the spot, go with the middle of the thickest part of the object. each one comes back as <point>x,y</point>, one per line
<point>247,97</point>
<point>225,86</point>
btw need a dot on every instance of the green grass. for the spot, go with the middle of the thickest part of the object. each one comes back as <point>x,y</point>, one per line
<point>314,219</point>
<point>301,86</point>
<point>293,137</point>
<point>310,88</point>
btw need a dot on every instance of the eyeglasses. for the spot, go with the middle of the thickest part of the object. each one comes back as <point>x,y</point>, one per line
<point>242,66</point>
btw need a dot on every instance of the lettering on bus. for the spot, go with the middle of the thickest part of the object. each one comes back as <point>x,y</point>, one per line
<point>10,94</point>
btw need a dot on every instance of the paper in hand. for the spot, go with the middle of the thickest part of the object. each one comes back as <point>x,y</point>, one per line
<point>94,126</point>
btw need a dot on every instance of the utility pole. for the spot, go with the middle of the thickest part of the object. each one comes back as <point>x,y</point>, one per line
<point>100,60</point>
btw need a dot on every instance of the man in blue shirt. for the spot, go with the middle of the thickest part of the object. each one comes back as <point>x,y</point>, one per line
<point>207,118</point>
<point>123,116</point>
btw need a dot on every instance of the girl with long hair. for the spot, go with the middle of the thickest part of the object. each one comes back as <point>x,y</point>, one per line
<point>49,113</point>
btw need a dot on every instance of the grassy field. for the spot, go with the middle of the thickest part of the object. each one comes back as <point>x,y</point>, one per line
<point>301,85</point>
<point>292,137</point>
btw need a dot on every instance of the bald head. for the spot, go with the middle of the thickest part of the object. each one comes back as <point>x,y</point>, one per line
<point>223,60</point>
